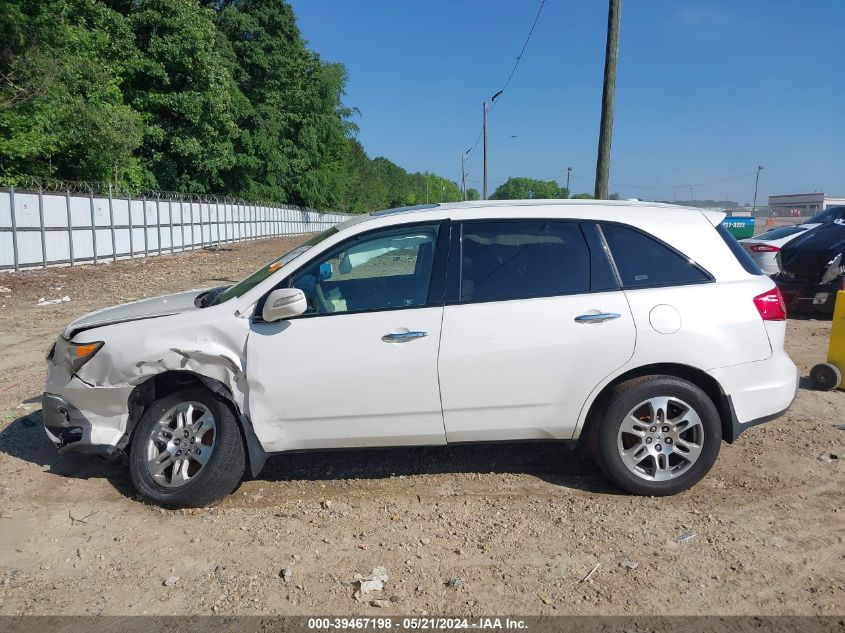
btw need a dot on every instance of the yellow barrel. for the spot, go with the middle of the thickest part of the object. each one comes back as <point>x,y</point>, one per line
<point>836,347</point>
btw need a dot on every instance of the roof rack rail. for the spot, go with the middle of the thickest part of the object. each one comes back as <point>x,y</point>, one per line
<point>416,207</point>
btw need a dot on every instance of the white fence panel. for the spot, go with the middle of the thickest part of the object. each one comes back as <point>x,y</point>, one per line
<point>55,228</point>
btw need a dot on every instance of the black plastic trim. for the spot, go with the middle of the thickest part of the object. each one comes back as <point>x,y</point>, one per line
<point>737,427</point>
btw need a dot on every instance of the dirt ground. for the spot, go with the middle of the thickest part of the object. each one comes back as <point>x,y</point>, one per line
<point>460,530</point>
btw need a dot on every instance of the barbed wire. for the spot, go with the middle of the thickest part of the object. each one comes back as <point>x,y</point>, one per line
<point>102,188</point>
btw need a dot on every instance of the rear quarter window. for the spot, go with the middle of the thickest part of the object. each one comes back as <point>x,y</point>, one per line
<point>644,261</point>
<point>740,253</point>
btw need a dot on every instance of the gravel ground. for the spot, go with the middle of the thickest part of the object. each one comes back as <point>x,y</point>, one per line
<point>460,530</point>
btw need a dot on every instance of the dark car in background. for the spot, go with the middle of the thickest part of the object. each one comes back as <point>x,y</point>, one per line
<point>812,269</point>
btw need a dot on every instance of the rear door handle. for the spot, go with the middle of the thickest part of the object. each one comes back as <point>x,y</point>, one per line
<point>600,317</point>
<point>403,337</point>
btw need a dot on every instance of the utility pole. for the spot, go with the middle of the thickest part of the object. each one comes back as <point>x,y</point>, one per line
<point>756,182</point>
<point>607,98</point>
<point>463,176</point>
<point>568,174</point>
<point>484,193</point>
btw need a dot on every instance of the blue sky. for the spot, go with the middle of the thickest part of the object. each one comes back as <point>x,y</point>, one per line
<point>706,90</point>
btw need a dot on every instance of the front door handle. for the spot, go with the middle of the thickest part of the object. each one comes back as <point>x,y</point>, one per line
<point>403,337</point>
<point>599,317</point>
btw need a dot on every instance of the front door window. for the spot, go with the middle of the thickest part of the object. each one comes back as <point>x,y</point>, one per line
<point>388,269</point>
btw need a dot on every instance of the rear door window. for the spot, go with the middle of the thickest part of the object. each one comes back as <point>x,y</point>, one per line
<point>643,261</point>
<point>522,259</point>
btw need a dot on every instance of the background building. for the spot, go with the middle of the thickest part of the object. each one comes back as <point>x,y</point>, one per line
<point>802,204</point>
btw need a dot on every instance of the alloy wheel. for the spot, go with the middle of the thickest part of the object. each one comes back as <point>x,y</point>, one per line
<point>180,444</point>
<point>660,439</point>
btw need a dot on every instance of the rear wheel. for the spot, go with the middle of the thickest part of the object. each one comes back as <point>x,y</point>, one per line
<point>187,450</point>
<point>656,435</point>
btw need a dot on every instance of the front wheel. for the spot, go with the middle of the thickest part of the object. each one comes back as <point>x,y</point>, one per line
<point>656,435</point>
<point>187,450</point>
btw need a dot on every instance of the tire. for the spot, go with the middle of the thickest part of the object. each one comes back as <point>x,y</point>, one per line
<point>825,377</point>
<point>626,421</point>
<point>187,482</point>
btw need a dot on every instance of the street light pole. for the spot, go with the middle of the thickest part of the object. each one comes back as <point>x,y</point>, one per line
<point>756,182</point>
<point>568,174</point>
<point>484,193</point>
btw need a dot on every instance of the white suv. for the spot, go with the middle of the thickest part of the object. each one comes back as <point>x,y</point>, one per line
<point>643,327</point>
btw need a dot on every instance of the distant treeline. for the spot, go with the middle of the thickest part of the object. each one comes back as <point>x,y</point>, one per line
<point>202,96</point>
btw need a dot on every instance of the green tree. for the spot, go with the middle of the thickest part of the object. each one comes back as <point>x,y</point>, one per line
<point>295,130</point>
<point>523,188</point>
<point>207,96</point>
<point>183,89</point>
<point>62,110</point>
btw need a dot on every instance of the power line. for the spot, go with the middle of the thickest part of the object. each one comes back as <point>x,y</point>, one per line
<point>521,52</point>
<point>471,150</point>
<point>699,184</point>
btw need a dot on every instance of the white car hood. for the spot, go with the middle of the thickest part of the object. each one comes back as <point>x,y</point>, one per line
<point>136,310</point>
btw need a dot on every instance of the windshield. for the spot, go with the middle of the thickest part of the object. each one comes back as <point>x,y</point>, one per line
<point>779,233</point>
<point>827,216</point>
<point>262,273</point>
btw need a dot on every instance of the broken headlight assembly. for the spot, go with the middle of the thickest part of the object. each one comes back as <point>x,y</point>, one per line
<point>73,355</point>
<point>835,269</point>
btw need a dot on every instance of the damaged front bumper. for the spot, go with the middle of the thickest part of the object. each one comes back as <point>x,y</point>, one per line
<point>84,418</point>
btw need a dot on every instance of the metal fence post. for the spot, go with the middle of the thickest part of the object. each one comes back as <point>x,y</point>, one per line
<point>216,217</point>
<point>41,225</point>
<point>182,222</point>
<point>158,222</point>
<point>170,217</point>
<point>202,231</point>
<point>238,221</point>
<point>146,236</point>
<point>93,226</point>
<point>129,222</point>
<point>191,213</point>
<point>69,227</point>
<point>111,221</point>
<point>225,224</point>
<point>14,228</point>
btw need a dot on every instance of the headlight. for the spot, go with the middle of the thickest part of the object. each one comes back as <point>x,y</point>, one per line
<point>834,269</point>
<point>74,355</point>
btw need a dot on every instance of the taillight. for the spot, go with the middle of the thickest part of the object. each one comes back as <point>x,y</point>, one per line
<point>770,305</point>
<point>764,248</point>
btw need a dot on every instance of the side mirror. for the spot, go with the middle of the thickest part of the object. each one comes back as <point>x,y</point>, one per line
<point>345,264</point>
<point>284,303</point>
